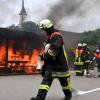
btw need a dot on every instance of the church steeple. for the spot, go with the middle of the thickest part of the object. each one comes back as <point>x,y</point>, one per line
<point>22,14</point>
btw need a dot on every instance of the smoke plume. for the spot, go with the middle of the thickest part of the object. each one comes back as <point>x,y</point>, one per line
<point>76,15</point>
<point>70,15</point>
<point>64,8</point>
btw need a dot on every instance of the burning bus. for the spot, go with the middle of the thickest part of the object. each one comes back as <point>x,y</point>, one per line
<point>19,51</point>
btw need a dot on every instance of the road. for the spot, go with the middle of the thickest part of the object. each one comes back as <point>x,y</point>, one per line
<point>23,87</point>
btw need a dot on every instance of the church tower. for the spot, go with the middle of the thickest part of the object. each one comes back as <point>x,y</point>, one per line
<point>22,15</point>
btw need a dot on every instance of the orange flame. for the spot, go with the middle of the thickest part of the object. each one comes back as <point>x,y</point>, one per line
<point>2,55</point>
<point>31,61</point>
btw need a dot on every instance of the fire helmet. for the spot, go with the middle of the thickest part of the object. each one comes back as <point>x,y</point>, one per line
<point>97,50</point>
<point>84,44</point>
<point>45,24</point>
<point>79,44</point>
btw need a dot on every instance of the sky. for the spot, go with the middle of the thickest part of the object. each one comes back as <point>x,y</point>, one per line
<point>69,15</point>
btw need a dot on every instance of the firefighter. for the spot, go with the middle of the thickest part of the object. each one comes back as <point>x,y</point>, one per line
<point>96,59</point>
<point>55,63</point>
<point>78,60</point>
<point>86,59</point>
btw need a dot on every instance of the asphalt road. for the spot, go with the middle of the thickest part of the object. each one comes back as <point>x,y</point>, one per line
<point>23,87</point>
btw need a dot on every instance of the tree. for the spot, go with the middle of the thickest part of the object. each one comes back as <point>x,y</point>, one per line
<point>91,37</point>
<point>31,27</point>
<point>28,26</point>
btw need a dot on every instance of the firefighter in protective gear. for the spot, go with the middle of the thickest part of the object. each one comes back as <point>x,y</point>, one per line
<point>55,63</point>
<point>78,61</point>
<point>96,59</point>
<point>86,59</point>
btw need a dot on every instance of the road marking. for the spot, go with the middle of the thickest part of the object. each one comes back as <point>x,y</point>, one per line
<point>78,92</point>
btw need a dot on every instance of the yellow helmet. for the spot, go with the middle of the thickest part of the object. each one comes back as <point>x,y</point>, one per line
<point>45,24</point>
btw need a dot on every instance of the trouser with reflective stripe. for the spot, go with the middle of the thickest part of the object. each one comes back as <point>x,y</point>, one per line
<point>44,86</point>
<point>66,86</point>
<point>46,83</point>
<point>79,69</point>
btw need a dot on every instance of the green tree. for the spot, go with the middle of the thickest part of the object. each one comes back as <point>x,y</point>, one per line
<point>28,26</point>
<point>91,37</point>
<point>31,27</point>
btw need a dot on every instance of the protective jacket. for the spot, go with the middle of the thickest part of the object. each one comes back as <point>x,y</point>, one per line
<point>96,58</point>
<point>97,55</point>
<point>55,57</point>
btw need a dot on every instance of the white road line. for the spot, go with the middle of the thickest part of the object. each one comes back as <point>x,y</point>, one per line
<point>78,92</point>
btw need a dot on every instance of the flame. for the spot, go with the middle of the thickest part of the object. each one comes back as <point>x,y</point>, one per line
<point>26,61</point>
<point>2,54</point>
<point>34,58</point>
<point>32,61</point>
<point>12,56</point>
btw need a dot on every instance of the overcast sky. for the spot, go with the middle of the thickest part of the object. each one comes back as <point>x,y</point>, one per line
<point>70,15</point>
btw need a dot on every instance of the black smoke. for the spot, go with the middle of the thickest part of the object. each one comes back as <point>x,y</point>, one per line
<point>22,41</point>
<point>64,8</point>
